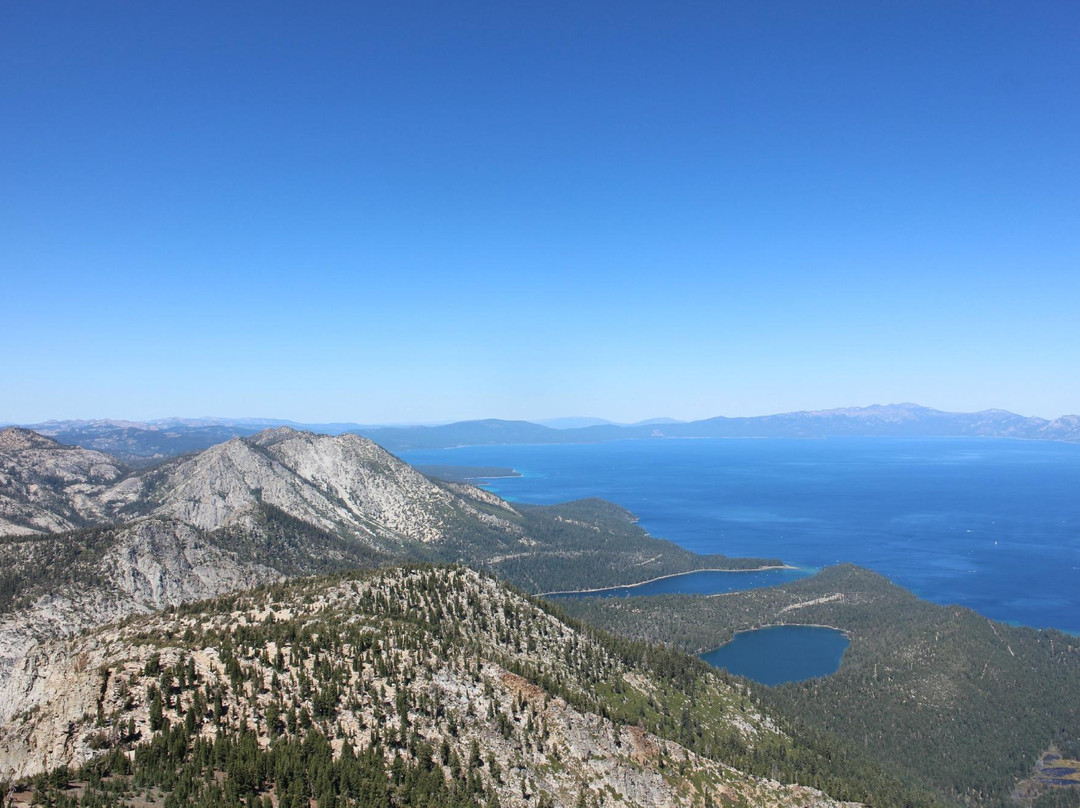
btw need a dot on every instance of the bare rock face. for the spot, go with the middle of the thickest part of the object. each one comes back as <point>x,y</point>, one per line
<point>158,563</point>
<point>46,487</point>
<point>147,566</point>
<point>344,484</point>
<point>217,487</point>
<point>366,478</point>
<point>53,676</point>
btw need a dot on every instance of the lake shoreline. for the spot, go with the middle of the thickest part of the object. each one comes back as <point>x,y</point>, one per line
<point>664,578</point>
<point>985,524</point>
<point>772,625</point>
<point>780,653</point>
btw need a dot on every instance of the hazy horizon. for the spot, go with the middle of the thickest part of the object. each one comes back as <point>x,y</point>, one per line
<point>540,421</point>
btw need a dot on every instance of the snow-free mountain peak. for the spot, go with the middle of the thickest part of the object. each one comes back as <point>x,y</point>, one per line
<point>18,439</point>
<point>343,484</point>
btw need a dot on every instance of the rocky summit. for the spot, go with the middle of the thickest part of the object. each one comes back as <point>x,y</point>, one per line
<point>344,484</point>
<point>46,487</point>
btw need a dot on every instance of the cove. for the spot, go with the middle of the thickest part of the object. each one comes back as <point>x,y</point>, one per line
<point>700,582</point>
<point>988,523</point>
<point>779,654</point>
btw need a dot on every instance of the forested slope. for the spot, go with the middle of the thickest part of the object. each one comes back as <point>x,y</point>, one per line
<point>940,694</point>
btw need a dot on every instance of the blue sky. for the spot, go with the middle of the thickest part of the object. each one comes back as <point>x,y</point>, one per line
<point>429,211</point>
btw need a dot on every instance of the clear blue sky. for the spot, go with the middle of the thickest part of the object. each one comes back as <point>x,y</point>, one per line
<point>386,212</point>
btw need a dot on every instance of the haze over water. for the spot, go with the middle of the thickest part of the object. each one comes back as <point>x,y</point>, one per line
<point>991,524</point>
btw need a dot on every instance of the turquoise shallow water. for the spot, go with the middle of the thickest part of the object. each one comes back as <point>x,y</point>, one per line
<point>987,523</point>
<point>781,653</point>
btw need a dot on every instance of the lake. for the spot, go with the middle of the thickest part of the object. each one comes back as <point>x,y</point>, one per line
<point>992,524</point>
<point>779,654</point>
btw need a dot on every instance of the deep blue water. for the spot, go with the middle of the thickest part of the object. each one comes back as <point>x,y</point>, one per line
<point>987,523</point>
<point>706,582</point>
<point>781,653</point>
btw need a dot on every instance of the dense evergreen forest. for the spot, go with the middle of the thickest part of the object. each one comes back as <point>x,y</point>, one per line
<point>939,694</point>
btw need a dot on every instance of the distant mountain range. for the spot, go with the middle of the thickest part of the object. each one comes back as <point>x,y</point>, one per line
<point>143,443</point>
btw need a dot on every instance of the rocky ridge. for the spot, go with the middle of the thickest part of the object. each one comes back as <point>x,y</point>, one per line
<point>522,705</point>
<point>343,484</point>
<point>277,504</point>
<point>46,487</point>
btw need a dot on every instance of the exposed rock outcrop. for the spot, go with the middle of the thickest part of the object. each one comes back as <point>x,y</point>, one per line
<point>46,487</point>
<point>430,650</point>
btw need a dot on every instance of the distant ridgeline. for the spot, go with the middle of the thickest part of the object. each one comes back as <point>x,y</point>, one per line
<point>139,443</point>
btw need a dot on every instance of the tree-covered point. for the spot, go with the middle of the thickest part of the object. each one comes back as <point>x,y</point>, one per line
<point>464,474</point>
<point>36,565</point>
<point>584,544</point>
<point>943,696</point>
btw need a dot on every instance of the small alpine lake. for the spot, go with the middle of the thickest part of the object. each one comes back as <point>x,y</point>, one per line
<point>700,582</point>
<point>779,654</point>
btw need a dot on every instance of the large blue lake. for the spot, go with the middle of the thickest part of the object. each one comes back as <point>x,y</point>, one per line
<point>987,523</point>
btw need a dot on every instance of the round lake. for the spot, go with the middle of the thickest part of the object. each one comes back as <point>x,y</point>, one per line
<point>781,654</point>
